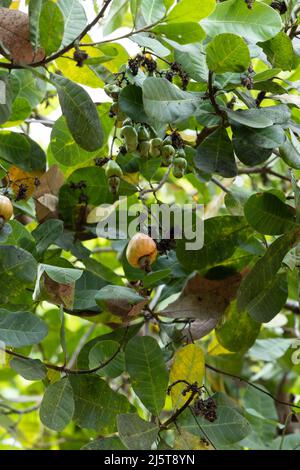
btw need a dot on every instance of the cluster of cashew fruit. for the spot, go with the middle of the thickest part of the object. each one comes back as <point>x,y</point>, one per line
<point>138,139</point>
<point>141,139</point>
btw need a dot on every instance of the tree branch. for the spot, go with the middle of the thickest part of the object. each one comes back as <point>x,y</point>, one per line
<point>67,370</point>
<point>265,170</point>
<point>159,186</point>
<point>58,54</point>
<point>145,29</point>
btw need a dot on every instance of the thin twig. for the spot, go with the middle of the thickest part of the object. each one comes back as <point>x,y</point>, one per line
<point>265,170</point>
<point>14,411</point>
<point>218,183</point>
<point>70,371</point>
<point>178,412</point>
<point>251,384</point>
<point>145,29</point>
<point>160,184</point>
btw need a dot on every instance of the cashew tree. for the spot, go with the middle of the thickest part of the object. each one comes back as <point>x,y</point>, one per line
<point>149,224</point>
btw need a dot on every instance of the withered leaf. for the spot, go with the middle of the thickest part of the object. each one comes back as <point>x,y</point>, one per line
<point>15,38</point>
<point>46,195</point>
<point>204,301</point>
<point>54,292</point>
<point>23,183</point>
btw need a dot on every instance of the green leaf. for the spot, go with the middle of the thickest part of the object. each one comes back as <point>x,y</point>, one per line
<point>74,18</point>
<point>117,294</point>
<point>156,277</point>
<point>290,151</point>
<point>80,113</point>
<point>189,365</point>
<point>102,271</point>
<point>146,367</point>
<point>152,10</point>
<point>135,433</point>
<point>215,155</point>
<point>120,334</point>
<point>5,99</point>
<point>259,404</point>
<point>191,11</point>
<point>192,59</point>
<point>47,233</point>
<point>17,270</point>
<point>267,214</point>
<point>266,138</point>
<point>236,331</point>
<point>250,117</point>
<point>131,103</point>
<point>221,238</point>
<point>259,23</point>
<point>148,168</point>
<point>5,232</point>
<point>165,102</point>
<point>64,148</point>
<point>51,26</point>
<point>147,41</point>
<point>108,443</point>
<point>229,427</point>
<point>20,150</point>
<point>96,404</point>
<point>57,407</point>
<point>260,118</point>
<point>114,19</point>
<point>60,274</point>
<point>227,53</point>
<point>182,33</point>
<point>271,300</point>
<point>279,51</point>
<point>102,352</point>
<point>248,153</point>
<point>21,328</point>
<point>261,277</point>
<point>270,349</point>
<point>34,10</point>
<point>30,369</point>
<point>28,91</point>
<point>18,235</point>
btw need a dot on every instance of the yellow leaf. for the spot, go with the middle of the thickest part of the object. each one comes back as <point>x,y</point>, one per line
<point>189,365</point>
<point>23,183</point>
<point>83,75</point>
<point>187,441</point>
<point>215,348</point>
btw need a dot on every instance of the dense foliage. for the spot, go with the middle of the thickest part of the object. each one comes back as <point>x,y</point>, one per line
<point>152,345</point>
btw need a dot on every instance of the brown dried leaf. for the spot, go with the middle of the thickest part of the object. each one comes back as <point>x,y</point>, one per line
<point>124,309</point>
<point>56,293</point>
<point>204,300</point>
<point>46,195</point>
<point>15,38</point>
